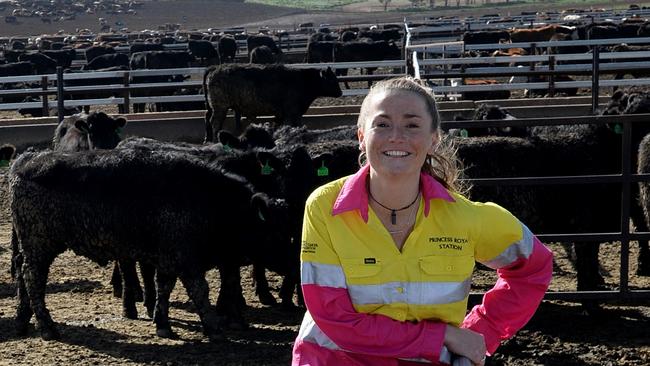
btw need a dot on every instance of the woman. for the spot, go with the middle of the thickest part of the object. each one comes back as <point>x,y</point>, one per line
<point>388,253</point>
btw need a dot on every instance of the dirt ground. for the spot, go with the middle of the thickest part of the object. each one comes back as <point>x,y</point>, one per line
<point>94,332</point>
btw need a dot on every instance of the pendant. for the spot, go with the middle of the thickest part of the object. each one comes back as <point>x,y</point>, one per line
<point>393,217</point>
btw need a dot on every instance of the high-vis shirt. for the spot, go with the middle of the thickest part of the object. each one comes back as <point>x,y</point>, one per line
<point>368,303</point>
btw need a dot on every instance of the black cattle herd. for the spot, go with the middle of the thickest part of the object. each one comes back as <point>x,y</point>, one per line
<point>177,209</point>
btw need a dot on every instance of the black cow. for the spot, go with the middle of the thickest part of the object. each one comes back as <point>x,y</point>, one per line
<point>381,34</point>
<point>94,51</point>
<point>142,47</point>
<point>42,64</point>
<point>157,207</point>
<point>260,40</point>
<point>17,69</point>
<point>254,90</point>
<point>262,55</point>
<point>366,51</point>
<point>157,60</point>
<point>106,61</point>
<point>486,37</point>
<point>82,132</point>
<point>63,58</point>
<point>227,49</point>
<point>324,51</point>
<point>205,51</point>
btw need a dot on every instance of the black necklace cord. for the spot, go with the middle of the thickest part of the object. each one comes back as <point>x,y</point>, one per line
<point>393,211</point>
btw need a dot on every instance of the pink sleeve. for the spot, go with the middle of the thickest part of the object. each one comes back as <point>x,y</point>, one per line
<point>371,334</point>
<point>510,304</point>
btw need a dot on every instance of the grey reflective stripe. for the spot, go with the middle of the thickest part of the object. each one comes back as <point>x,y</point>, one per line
<point>416,293</point>
<point>518,250</point>
<point>329,275</point>
<point>310,332</point>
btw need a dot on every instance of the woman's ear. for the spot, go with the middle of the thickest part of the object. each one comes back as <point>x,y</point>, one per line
<point>360,136</point>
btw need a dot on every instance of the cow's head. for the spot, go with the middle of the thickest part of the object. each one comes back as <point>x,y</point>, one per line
<point>329,84</point>
<point>104,131</point>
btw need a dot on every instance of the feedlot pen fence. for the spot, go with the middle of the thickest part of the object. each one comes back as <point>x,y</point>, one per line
<point>625,178</point>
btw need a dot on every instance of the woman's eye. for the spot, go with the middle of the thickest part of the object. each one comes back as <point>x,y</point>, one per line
<point>381,124</point>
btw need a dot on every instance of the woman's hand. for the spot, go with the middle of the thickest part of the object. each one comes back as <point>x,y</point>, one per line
<point>467,343</point>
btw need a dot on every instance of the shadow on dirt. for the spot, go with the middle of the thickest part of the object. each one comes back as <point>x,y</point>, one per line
<point>254,345</point>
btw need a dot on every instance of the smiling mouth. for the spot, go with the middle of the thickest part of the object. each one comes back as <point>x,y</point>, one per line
<point>396,153</point>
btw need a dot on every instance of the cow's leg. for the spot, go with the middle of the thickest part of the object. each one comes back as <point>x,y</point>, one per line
<point>197,290</point>
<point>231,300</point>
<point>286,291</point>
<point>638,219</point>
<point>589,278</point>
<point>209,132</point>
<point>218,118</point>
<point>587,266</point>
<point>370,71</point>
<point>116,280</point>
<point>343,72</point>
<point>23,309</point>
<point>164,285</point>
<point>262,285</point>
<point>130,279</point>
<point>35,270</point>
<point>148,272</point>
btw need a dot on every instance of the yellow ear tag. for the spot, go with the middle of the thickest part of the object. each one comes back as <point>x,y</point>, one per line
<point>323,171</point>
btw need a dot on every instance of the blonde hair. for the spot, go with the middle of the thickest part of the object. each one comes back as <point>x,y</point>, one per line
<point>443,164</point>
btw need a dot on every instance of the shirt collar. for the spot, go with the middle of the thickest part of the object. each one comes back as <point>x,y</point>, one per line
<point>354,195</point>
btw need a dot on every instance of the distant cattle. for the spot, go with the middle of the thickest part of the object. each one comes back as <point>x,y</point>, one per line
<point>106,61</point>
<point>484,94</point>
<point>17,69</point>
<point>95,51</point>
<point>255,90</point>
<point>63,58</point>
<point>141,47</point>
<point>227,49</point>
<point>542,34</point>
<point>260,40</point>
<point>262,55</point>
<point>366,51</point>
<point>42,64</point>
<point>157,60</point>
<point>486,37</point>
<point>381,34</point>
<point>204,50</point>
<point>323,51</point>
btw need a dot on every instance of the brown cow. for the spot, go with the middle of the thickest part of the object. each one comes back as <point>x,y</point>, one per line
<point>541,34</point>
<point>483,95</point>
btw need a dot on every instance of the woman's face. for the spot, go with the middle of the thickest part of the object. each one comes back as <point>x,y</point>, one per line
<point>397,134</point>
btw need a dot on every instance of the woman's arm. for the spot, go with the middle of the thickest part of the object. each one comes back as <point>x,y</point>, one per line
<point>510,304</point>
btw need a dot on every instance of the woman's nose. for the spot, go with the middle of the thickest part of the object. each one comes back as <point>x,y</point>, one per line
<point>396,133</point>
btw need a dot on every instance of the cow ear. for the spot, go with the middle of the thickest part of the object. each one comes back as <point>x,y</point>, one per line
<point>120,122</point>
<point>260,203</point>
<point>269,161</point>
<point>82,126</point>
<point>7,152</point>
<point>228,139</point>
